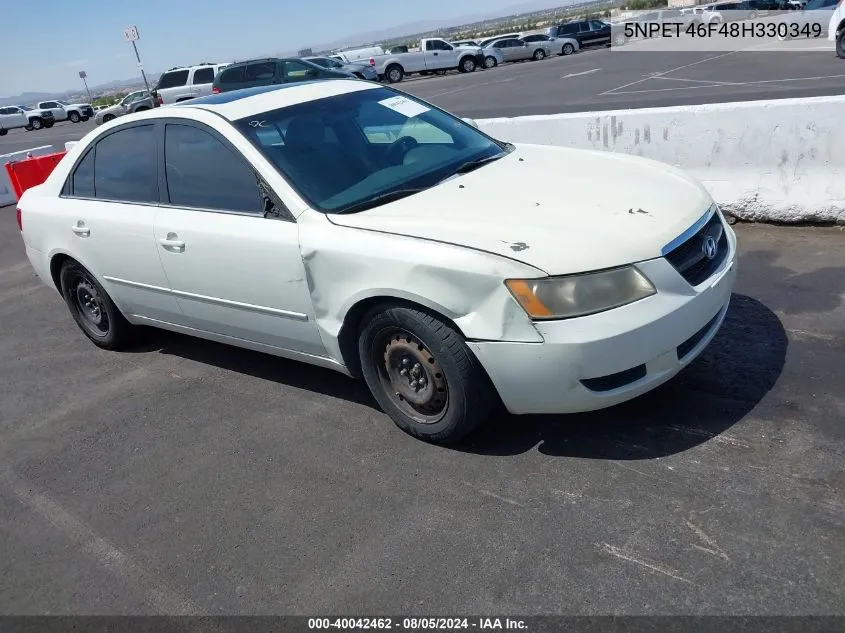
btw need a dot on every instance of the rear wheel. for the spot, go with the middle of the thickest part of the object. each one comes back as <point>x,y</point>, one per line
<point>490,62</point>
<point>4,132</point>
<point>394,74</point>
<point>422,374</point>
<point>74,117</point>
<point>48,124</point>
<point>567,49</point>
<point>92,308</point>
<point>840,44</point>
<point>619,39</point>
<point>36,123</point>
<point>539,54</point>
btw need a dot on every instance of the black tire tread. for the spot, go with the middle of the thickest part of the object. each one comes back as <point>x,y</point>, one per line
<point>479,395</point>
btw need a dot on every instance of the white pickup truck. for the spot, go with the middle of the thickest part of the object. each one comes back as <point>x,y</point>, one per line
<point>434,55</point>
<point>64,111</point>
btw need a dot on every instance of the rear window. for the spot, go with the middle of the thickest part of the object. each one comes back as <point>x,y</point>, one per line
<point>173,79</point>
<point>261,71</point>
<point>203,75</point>
<point>233,75</point>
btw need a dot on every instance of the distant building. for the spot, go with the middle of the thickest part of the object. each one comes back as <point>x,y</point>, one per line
<point>305,52</point>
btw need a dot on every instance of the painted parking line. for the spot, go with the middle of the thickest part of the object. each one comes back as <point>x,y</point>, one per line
<point>586,72</point>
<point>729,85</point>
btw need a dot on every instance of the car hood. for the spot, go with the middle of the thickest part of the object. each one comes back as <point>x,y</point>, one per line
<point>560,210</point>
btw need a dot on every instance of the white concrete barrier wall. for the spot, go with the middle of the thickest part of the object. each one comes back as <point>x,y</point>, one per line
<point>774,161</point>
<point>7,193</point>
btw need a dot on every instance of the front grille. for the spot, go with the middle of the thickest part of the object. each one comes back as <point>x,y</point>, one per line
<point>691,258</point>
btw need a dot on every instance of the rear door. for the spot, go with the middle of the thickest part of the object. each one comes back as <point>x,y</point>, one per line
<point>599,33</point>
<point>261,73</point>
<point>234,272</point>
<point>107,211</point>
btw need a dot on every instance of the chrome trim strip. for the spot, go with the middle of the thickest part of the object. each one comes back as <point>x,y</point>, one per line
<point>297,316</point>
<point>695,228</point>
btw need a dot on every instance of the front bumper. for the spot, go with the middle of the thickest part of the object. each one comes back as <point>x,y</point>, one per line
<point>479,59</point>
<point>601,360</point>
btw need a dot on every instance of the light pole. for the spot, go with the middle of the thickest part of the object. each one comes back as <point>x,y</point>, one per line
<point>84,76</point>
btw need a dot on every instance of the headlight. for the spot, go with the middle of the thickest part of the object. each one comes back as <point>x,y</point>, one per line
<point>580,295</point>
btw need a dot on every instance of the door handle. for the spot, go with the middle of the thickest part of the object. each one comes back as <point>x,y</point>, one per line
<point>172,242</point>
<point>436,54</point>
<point>80,229</point>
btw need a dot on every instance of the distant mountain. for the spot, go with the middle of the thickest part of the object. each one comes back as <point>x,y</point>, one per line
<point>28,98</point>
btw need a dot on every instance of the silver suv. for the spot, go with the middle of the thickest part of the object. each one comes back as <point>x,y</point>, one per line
<point>186,82</point>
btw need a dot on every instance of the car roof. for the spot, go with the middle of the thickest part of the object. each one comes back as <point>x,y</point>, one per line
<point>238,104</point>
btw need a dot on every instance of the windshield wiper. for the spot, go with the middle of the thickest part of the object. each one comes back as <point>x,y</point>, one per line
<point>472,165</point>
<point>380,199</point>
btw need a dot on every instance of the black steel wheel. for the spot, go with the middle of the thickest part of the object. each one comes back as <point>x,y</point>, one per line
<point>422,374</point>
<point>92,308</point>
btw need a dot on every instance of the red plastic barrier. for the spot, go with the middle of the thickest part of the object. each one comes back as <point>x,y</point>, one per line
<point>32,171</point>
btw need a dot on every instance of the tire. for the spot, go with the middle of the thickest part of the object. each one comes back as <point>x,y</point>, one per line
<point>467,65</point>
<point>109,117</point>
<point>28,128</point>
<point>92,308</point>
<point>4,132</point>
<point>840,44</point>
<point>85,118</point>
<point>619,39</point>
<point>74,117</point>
<point>394,73</point>
<point>36,123</point>
<point>567,49</point>
<point>49,125</point>
<point>490,62</point>
<point>539,55</point>
<point>456,395</point>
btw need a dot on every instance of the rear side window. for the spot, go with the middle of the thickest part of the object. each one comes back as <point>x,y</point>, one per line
<point>262,71</point>
<point>233,75</point>
<point>125,166</point>
<point>82,181</point>
<point>203,75</point>
<point>204,173</point>
<point>173,79</point>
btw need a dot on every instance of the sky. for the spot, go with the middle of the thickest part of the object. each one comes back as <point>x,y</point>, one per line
<point>43,51</point>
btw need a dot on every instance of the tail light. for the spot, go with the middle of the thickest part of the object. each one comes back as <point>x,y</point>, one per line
<point>215,90</point>
<point>373,60</point>
<point>20,219</point>
<point>160,100</point>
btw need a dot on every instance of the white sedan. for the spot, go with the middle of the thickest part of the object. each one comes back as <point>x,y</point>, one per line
<point>351,226</point>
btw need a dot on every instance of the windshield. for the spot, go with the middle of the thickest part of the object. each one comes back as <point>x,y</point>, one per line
<point>344,151</point>
<point>26,108</point>
<point>62,103</point>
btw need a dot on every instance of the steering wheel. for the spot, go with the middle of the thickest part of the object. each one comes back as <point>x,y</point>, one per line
<point>396,151</point>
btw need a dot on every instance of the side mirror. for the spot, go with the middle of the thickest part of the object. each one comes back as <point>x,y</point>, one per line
<point>470,122</point>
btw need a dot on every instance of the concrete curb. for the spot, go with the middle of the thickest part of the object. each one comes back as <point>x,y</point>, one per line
<point>763,161</point>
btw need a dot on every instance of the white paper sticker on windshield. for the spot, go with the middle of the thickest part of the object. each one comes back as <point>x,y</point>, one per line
<point>405,106</point>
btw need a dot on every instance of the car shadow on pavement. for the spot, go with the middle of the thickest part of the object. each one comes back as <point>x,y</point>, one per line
<point>739,367</point>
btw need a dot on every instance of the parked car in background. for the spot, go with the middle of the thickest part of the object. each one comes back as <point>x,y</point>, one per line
<point>133,102</point>
<point>286,220</point>
<point>271,71</point>
<point>515,50</point>
<point>471,43</point>
<point>358,54</point>
<point>185,82</point>
<point>362,71</point>
<point>493,57</point>
<point>434,56</point>
<point>14,117</point>
<point>503,36</point>
<point>64,111</point>
<point>18,116</point>
<point>559,45</point>
<point>836,29</point>
<point>588,33</point>
<point>814,18</point>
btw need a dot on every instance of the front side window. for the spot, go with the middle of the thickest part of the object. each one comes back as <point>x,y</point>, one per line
<point>348,152</point>
<point>322,61</point>
<point>298,71</point>
<point>173,79</point>
<point>125,166</point>
<point>204,173</point>
<point>595,25</point>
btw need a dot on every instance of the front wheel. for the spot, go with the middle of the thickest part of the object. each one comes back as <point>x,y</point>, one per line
<point>467,65</point>
<point>422,374</point>
<point>539,54</point>
<point>92,308</point>
<point>619,39</point>
<point>36,124</point>
<point>4,132</point>
<point>840,44</point>
<point>74,117</point>
<point>490,62</point>
<point>109,117</point>
<point>567,49</point>
<point>48,125</point>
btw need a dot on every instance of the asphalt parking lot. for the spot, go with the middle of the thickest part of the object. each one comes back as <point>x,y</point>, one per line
<point>602,79</point>
<point>188,477</point>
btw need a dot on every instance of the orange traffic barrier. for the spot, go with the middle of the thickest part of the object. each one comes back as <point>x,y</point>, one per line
<point>31,171</point>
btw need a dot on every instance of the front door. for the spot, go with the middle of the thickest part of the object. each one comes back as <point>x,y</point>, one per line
<point>233,271</point>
